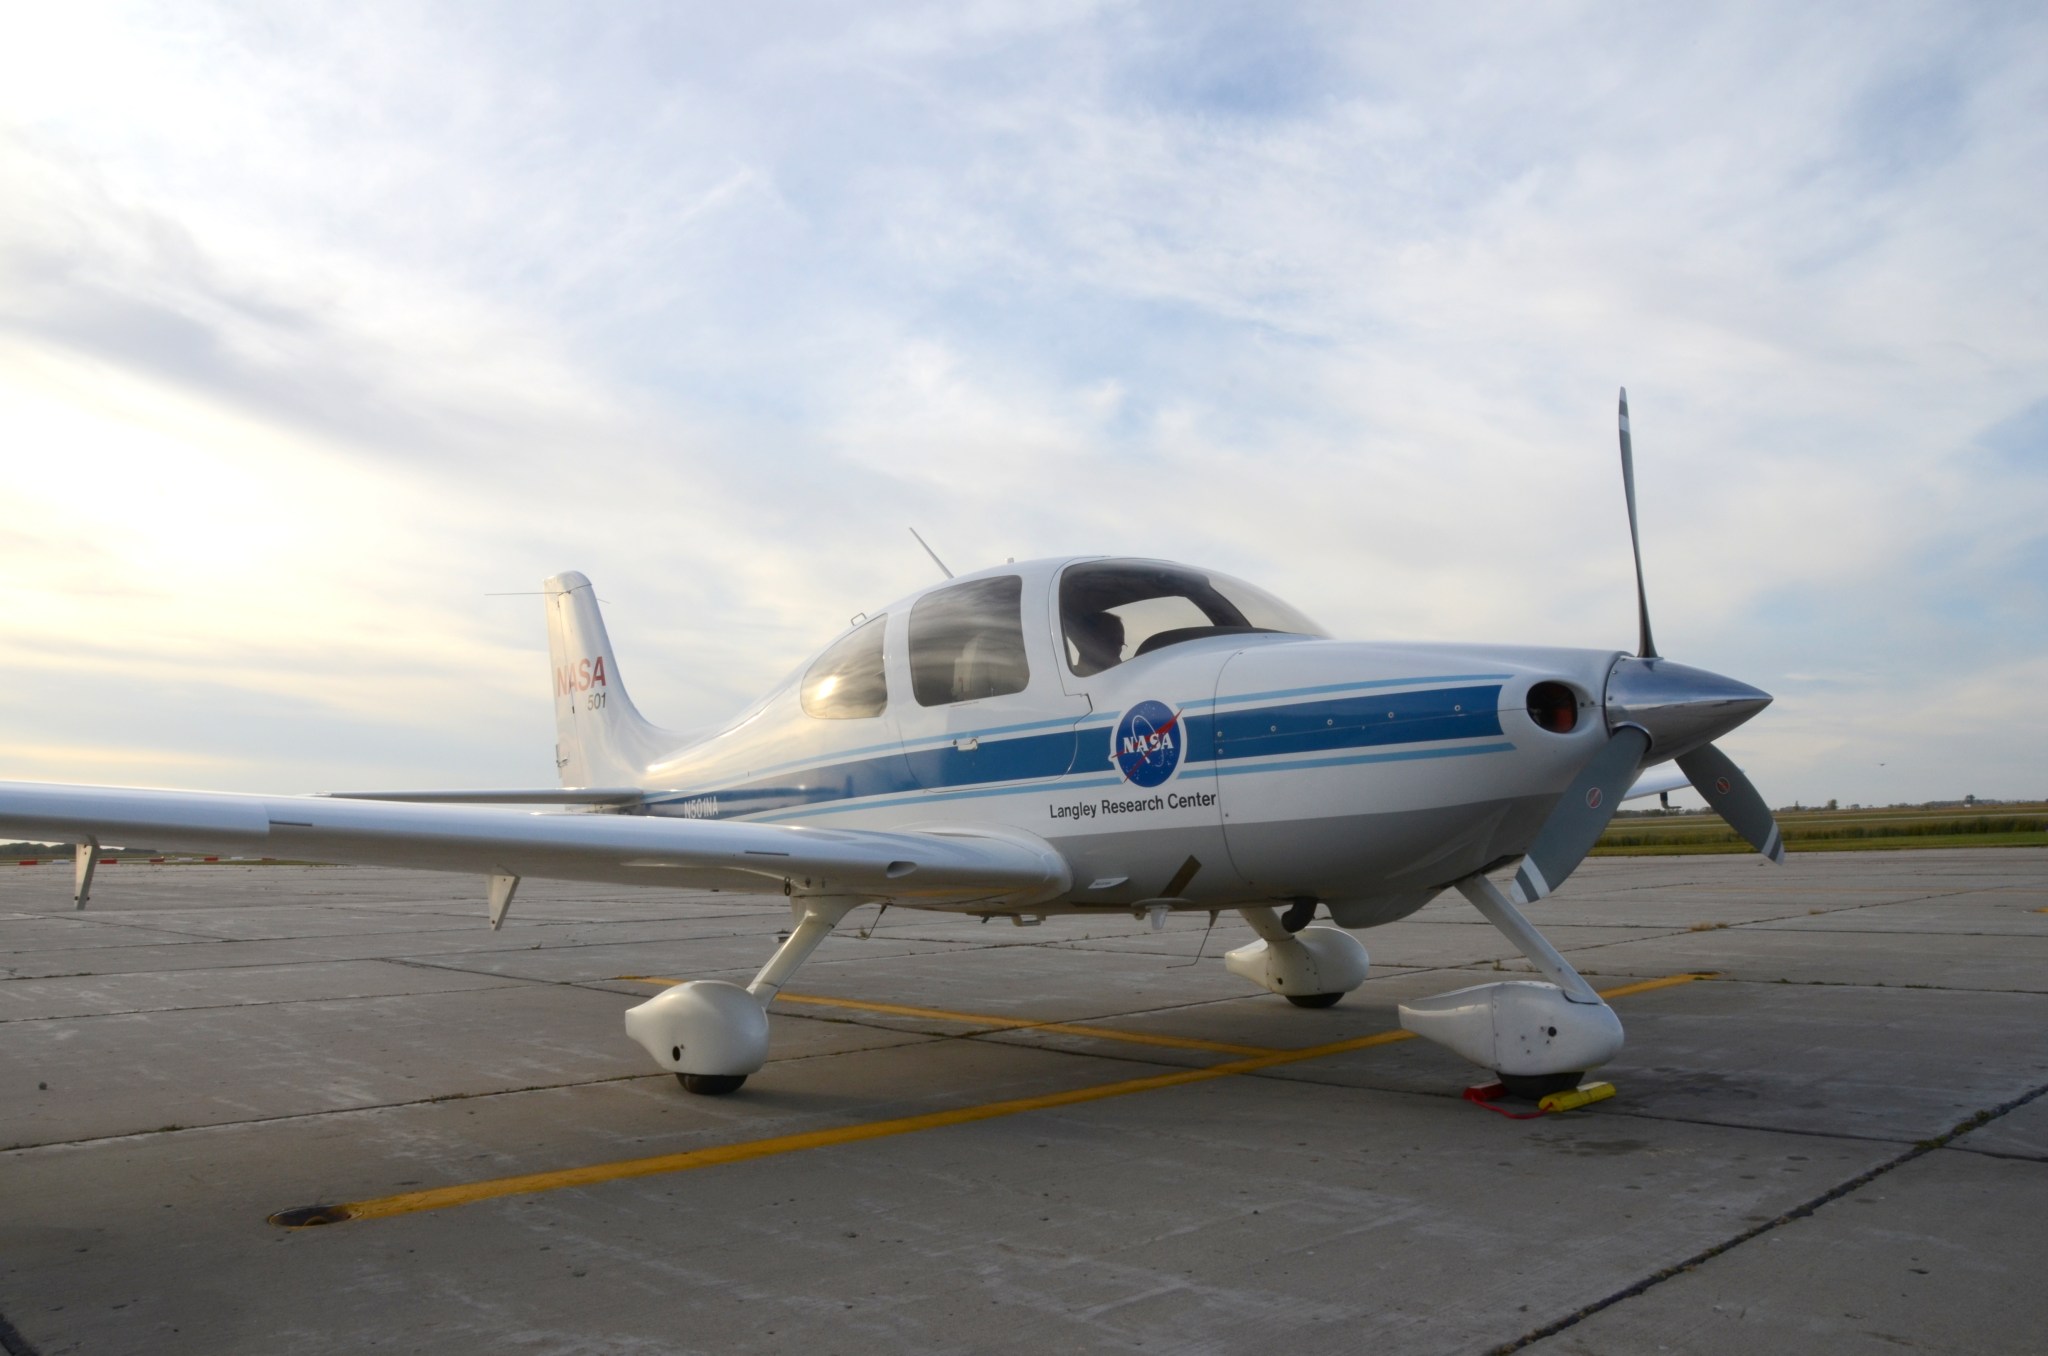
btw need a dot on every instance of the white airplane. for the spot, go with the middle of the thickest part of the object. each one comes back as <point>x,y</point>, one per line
<point>1092,736</point>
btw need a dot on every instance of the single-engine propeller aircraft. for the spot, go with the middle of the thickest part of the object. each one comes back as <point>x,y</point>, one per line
<point>1063,737</point>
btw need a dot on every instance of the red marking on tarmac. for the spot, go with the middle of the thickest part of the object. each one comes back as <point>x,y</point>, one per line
<point>1483,1095</point>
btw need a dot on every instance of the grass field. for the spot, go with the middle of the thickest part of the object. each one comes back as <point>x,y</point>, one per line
<point>1834,830</point>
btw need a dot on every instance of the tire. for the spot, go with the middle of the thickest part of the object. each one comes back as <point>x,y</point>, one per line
<point>711,1085</point>
<point>1314,1000</point>
<point>1531,1087</point>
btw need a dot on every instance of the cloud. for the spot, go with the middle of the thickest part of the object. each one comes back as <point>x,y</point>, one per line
<point>346,321</point>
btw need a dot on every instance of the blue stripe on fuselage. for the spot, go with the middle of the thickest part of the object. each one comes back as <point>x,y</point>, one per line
<point>1032,758</point>
<point>1430,716</point>
<point>1352,760</point>
<point>1350,723</point>
<point>1322,688</point>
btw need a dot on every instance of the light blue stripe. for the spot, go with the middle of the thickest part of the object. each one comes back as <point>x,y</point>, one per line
<point>1350,687</point>
<point>842,807</point>
<point>828,756</point>
<point>822,758</point>
<point>948,738</point>
<point>1404,756</point>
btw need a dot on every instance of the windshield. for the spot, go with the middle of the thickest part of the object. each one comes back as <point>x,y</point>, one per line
<point>1112,611</point>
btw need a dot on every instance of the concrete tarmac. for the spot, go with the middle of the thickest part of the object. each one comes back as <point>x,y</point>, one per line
<point>983,1138</point>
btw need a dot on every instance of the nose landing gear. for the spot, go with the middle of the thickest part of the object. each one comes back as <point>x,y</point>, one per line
<point>1538,1039</point>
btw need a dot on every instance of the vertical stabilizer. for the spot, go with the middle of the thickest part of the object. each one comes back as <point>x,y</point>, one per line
<point>600,740</point>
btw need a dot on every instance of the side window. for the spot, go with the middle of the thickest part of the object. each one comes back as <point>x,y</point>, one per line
<point>967,641</point>
<point>847,682</point>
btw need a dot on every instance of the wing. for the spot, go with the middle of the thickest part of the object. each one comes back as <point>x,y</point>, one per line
<point>1657,780</point>
<point>937,868</point>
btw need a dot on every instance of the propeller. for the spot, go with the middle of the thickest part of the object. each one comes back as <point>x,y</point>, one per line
<point>1645,648</point>
<point>1581,815</point>
<point>1655,709</point>
<point>1734,798</point>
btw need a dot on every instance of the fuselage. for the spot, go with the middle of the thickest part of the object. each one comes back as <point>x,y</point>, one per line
<point>1213,763</point>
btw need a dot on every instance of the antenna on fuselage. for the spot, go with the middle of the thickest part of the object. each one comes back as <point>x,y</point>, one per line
<point>933,554</point>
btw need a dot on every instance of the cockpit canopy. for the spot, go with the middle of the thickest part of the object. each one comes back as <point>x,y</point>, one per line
<point>967,640</point>
<point>1112,611</point>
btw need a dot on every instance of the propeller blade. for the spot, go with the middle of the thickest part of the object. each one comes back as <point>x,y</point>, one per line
<point>1733,797</point>
<point>1581,815</point>
<point>1646,649</point>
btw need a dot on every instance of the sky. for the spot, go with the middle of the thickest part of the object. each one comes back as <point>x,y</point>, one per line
<point>327,333</point>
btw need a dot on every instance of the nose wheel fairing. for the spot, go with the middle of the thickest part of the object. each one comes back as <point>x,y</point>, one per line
<point>1310,968</point>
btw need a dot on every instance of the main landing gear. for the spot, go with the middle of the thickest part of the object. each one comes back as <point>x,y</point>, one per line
<point>712,1033</point>
<point>1538,1038</point>
<point>1310,967</point>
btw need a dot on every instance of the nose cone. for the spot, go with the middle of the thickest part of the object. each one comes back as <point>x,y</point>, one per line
<point>1679,707</point>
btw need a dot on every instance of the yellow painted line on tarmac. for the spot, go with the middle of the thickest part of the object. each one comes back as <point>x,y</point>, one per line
<point>995,1023</point>
<point>525,1184</point>
<point>468,1193</point>
<point>1019,1024</point>
<point>1649,985</point>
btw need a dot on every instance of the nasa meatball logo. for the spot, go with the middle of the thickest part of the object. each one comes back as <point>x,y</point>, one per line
<point>1145,746</point>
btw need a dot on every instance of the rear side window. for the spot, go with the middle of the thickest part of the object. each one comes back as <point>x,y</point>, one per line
<point>847,681</point>
<point>967,641</point>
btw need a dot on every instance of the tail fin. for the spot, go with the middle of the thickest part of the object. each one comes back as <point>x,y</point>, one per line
<point>600,740</point>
